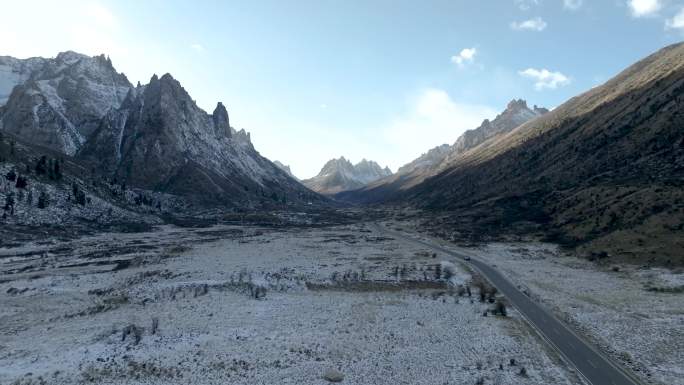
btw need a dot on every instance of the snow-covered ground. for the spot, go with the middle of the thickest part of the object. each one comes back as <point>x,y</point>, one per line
<point>342,298</point>
<point>635,314</point>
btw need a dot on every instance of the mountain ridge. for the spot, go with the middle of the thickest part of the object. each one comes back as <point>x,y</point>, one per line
<point>151,136</point>
<point>436,159</point>
<point>603,171</point>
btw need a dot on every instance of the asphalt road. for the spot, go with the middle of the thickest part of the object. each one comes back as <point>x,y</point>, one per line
<point>593,366</point>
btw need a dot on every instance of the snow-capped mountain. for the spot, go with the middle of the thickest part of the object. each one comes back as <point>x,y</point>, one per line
<point>57,103</point>
<point>151,136</point>
<point>341,175</point>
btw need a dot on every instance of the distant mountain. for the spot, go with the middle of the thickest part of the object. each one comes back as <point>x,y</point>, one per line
<point>152,136</point>
<point>285,168</point>
<point>604,172</point>
<point>437,159</point>
<point>515,114</point>
<point>340,175</point>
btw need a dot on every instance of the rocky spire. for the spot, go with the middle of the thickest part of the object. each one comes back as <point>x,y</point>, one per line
<point>517,104</point>
<point>221,122</point>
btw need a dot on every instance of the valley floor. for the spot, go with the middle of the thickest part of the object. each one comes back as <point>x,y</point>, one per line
<point>178,306</point>
<point>635,314</point>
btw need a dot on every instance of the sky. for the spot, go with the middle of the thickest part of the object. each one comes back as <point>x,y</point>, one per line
<point>378,79</point>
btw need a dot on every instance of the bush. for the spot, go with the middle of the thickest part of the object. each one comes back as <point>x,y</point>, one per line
<point>155,325</point>
<point>257,291</point>
<point>500,308</point>
<point>134,331</point>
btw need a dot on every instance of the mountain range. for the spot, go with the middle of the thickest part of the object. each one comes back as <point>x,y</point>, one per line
<point>153,137</point>
<point>603,172</point>
<point>437,159</point>
<point>339,175</point>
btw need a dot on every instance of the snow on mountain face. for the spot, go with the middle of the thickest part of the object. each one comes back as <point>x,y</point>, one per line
<point>150,136</point>
<point>14,72</point>
<point>160,139</point>
<point>340,175</point>
<point>58,103</point>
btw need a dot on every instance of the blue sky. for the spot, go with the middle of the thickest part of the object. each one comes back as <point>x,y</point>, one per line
<point>380,79</point>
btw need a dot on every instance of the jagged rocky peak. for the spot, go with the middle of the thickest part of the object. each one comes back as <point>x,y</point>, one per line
<point>221,122</point>
<point>517,104</point>
<point>371,170</point>
<point>58,103</point>
<point>341,175</point>
<point>285,168</point>
<point>69,57</point>
<point>334,165</point>
<point>516,113</point>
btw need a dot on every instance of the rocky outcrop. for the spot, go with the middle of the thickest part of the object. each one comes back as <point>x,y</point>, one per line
<point>221,123</point>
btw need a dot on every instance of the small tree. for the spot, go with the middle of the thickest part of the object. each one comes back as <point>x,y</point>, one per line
<point>21,182</point>
<point>41,166</point>
<point>57,169</point>
<point>43,200</point>
<point>9,203</point>
<point>500,308</point>
<point>79,195</point>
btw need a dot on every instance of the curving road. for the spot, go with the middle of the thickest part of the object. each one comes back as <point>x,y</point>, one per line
<point>592,365</point>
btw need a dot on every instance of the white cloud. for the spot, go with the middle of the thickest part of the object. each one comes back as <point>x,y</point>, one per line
<point>526,4</point>
<point>643,8</point>
<point>323,106</point>
<point>465,56</point>
<point>572,4</point>
<point>197,47</point>
<point>431,119</point>
<point>535,24</point>
<point>545,79</point>
<point>79,25</point>
<point>677,22</point>
<point>100,15</point>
